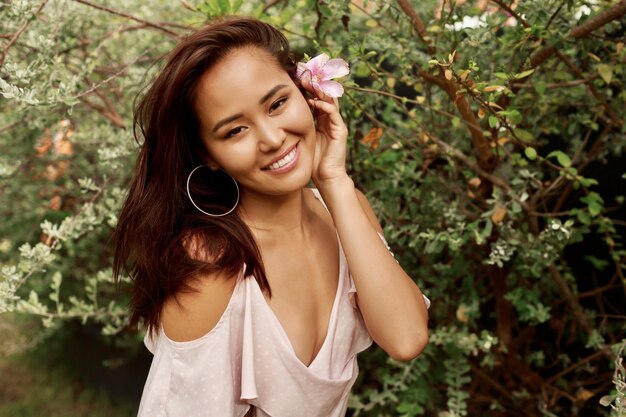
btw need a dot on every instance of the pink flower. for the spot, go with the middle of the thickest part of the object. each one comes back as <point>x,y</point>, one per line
<point>319,71</point>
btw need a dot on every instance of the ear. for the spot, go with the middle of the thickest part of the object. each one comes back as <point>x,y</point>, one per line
<point>214,166</point>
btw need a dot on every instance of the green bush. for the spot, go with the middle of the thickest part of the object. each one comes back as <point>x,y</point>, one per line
<point>489,137</point>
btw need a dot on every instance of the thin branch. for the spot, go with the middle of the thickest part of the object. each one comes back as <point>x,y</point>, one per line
<point>577,309</point>
<point>408,100</point>
<point>108,79</point>
<point>20,31</point>
<point>613,13</point>
<point>492,382</point>
<point>271,4</point>
<point>486,159</point>
<point>510,11</point>
<point>573,83</point>
<point>417,23</point>
<point>599,20</point>
<point>467,161</point>
<point>155,25</point>
<point>596,355</point>
<point>599,290</point>
<point>614,119</point>
<point>595,149</point>
<point>112,117</point>
<point>55,241</point>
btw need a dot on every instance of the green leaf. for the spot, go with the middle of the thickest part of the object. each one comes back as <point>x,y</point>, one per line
<point>524,74</point>
<point>530,153</point>
<point>524,135</point>
<point>582,216</point>
<point>594,209</point>
<point>588,182</point>
<point>540,87</point>
<point>488,228</point>
<point>493,121</point>
<point>562,158</point>
<point>224,6</point>
<point>513,115</point>
<point>599,264</point>
<point>594,202</point>
<point>606,72</point>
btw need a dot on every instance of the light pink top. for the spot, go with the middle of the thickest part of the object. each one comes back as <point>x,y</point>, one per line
<point>247,359</point>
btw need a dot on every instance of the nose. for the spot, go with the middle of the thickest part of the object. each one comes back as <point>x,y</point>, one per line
<point>270,135</point>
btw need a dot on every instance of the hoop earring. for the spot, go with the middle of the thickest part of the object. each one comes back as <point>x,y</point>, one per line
<point>206,212</point>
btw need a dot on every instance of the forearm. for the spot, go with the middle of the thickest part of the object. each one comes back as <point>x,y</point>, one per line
<point>391,303</point>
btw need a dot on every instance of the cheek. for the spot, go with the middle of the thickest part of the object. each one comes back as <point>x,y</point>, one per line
<point>301,116</point>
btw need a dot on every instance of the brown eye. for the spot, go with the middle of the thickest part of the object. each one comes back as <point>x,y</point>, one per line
<point>234,132</point>
<point>278,104</point>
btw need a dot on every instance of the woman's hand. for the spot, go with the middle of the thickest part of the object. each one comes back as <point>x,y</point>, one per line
<point>329,164</point>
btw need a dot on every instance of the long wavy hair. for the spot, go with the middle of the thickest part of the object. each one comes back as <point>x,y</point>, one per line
<point>158,222</point>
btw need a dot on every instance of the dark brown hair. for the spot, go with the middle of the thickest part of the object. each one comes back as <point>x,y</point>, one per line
<point>158,224</point>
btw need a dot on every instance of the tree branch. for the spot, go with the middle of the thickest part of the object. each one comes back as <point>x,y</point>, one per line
<point>154,25</point>
<point>577,310</point>
<point>19,32</point>
<point>510,11</point>
<point>613,118</point>
<point>486,160</point>
<point>599,20</point>
<point>419,26</point>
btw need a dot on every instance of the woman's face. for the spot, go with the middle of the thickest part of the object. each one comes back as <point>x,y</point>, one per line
<point>255,123</point>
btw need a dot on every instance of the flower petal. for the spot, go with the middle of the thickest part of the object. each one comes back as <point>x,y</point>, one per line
<point>303,71</point>
<point>335,68</point>
<point>315,84</point>
<point>316,64</point>
<point>331,88</point>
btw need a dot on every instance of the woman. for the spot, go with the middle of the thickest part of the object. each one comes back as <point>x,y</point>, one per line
<point>258,292</point>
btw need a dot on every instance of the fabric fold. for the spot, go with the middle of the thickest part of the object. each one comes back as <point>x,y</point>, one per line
<point>248,378</point>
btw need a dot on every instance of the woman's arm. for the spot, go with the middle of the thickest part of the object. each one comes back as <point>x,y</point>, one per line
<point>391,303</point>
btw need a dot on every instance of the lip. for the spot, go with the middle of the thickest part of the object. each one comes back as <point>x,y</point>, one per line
<point>287,167</point>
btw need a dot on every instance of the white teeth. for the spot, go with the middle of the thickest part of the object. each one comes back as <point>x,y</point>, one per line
<point>283,161</point>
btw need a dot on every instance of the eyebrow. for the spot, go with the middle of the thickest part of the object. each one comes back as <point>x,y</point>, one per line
<point>238,115</point>
<point>271,93</point>
<point>226,120</point>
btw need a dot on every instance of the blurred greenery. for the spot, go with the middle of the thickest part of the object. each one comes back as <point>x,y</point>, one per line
<point>44,380</point>
<point>488,135</point>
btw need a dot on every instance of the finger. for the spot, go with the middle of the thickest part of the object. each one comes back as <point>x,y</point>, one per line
<point>329,109</point>
<point>306,83</point>
<point>330,99</point>
<point>315,89</point>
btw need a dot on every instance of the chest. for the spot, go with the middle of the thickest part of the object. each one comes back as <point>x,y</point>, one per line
<point>303,276</point>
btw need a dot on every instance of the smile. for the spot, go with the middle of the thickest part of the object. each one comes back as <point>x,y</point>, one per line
<point>285,163</point>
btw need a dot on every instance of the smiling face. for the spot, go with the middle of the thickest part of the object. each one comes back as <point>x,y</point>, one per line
<point>255,123</point>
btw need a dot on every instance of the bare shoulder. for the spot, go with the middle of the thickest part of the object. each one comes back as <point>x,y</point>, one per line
<point>369,212</point>
<point>190,315</point>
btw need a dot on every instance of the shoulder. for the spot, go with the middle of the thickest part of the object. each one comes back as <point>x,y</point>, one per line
<point>368,210</point>
<point>192,314</point>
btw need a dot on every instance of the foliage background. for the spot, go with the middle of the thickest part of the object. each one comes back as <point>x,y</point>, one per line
<point>489,136</point>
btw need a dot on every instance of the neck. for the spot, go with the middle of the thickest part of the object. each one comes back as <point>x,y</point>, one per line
<point>282,214</point>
